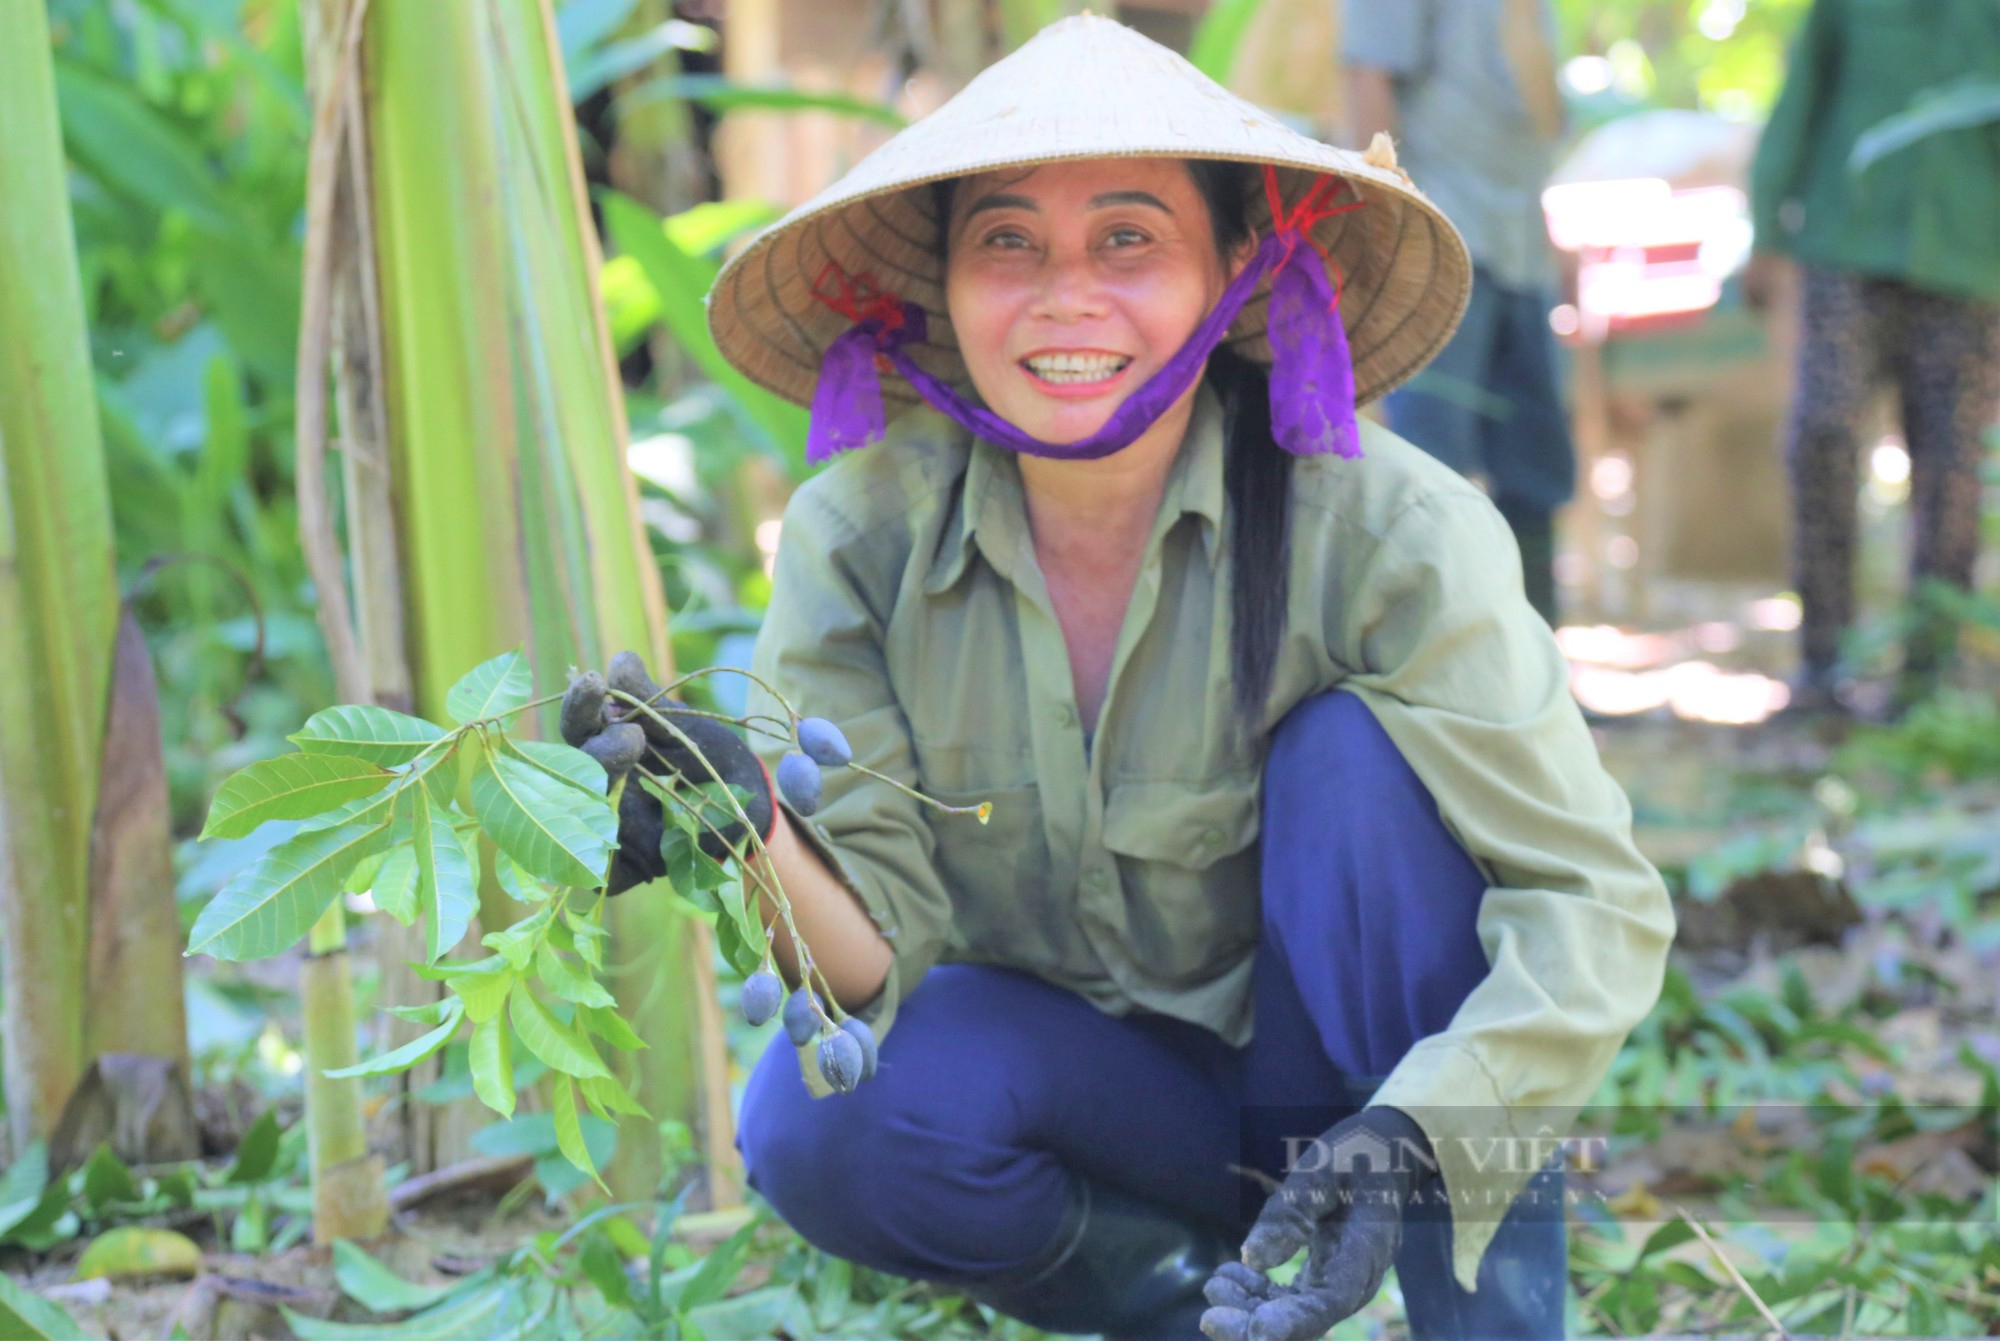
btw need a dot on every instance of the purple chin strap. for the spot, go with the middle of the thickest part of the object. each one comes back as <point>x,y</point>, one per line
<point>1312,373</point>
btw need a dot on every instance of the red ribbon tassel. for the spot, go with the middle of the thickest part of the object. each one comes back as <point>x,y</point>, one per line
<point>1298,222</point>
<point>860,298</point>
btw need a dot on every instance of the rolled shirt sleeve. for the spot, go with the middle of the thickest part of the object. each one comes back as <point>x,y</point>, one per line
<point>1385,34</point>
<point>821,646</point>
<point>1467,680</point>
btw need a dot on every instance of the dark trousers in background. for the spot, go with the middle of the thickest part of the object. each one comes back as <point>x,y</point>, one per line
<point>1489,403</point>
<point>1943,355</point>
<point>997,1088</point>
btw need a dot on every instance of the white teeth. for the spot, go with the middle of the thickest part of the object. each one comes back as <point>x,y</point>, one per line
<point>1073,368</point>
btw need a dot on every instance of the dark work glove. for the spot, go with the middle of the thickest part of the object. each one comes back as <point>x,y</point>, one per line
<point>1346,1211</point>
<point>622,738</point>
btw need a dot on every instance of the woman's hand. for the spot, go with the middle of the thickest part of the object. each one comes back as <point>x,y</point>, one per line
<point>1349,1218</point>
<point>622,737</point>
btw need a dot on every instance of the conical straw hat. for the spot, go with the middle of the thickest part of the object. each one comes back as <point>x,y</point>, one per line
<point>1085,87</point>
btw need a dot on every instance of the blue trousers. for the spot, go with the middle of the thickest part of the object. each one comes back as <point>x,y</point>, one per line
<point>996,1088</point>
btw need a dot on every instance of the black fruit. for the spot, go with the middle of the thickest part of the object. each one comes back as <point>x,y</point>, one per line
<point>823,743</point>
<point>866,1038</point>
<point>840,1061</point>
<point>628,675</point>
<point>763,993</point>
<point>801,1020</point>
<point>799,780</point>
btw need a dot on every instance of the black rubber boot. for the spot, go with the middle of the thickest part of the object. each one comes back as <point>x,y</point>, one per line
<point>1119,1266</point>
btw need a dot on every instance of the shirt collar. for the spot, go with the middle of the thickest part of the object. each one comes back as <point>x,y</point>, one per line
<point>993,514</point>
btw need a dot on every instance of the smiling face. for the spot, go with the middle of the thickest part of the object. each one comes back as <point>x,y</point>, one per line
<point>1071,284</point>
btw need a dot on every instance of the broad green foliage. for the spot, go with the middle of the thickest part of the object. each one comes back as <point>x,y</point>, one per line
<point>25,1316</point>
<point>267,909</point>
<point>375,790</point>
<point>292,786</point>
<point>495,689</point>
<point>678,278</point>
<point>552,832</point>
<point>366,732</point>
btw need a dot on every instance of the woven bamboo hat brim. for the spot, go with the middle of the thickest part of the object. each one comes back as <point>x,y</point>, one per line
<point>1085,87</point>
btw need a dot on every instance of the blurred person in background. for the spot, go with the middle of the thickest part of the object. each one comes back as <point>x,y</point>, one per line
<point>1899,280</point>
<point>1467,88</point>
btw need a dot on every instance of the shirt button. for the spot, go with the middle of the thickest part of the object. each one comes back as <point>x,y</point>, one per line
<point>1094,882</point>
<point>1211,839</point>
<point>1062,714</point>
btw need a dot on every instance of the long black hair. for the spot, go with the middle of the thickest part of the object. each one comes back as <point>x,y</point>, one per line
<point>1257,473</point>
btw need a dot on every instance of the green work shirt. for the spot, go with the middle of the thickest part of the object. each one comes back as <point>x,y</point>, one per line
<point>908,607</point>
<point>1928,214</point>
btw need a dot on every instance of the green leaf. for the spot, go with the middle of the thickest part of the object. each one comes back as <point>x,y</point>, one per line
<point>603,1266</point>
<point>1669,1235</point>
<point>473,1308</point>
<point>1217,38</point>
<point>362,878</point>
<point>445,970</point>
<point>491,689</point>
<point>47,1223</point>
<point>516,883</point>
<point>257,1153</point>
<point>430,1012</point>
<point>394,805</point>
<point>137,151</point>
<point>683,860</point>
<point>177,1185</point>
<point>484,994</point>
<point>378,1289</point>
<point>106,1179</point>
<point>713,224</point>
<point>516,944</point>
<point>569,1131</point>
<point>394,888</point>
<point>610,1026</point>
<point>735,904</point>
<point>291,786</point>
<point>137,1251</point>
<point>367,732</point>
<point>608,1092</point>
<point>26,1316</point>
<point>447,878</point>
<point>563,763</point>
<point>720,1269</point>
<point>250,1233</point>
<point>680,280</point>
<point>491,1058</point>
<point>548,1038</point>
<point>740,954</point>
<point>555,832</point>
<point>588,937</point>
<point>22,1185</point>
<point>265,910</point>
<point>412,1052</point>
<point>569,982</point>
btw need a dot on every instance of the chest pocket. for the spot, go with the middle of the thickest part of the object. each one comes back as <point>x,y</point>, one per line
<point>1188,862</point>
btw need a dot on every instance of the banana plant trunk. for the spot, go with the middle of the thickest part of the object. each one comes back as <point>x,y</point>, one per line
<point>91,936</point>
<point>497,509</point>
